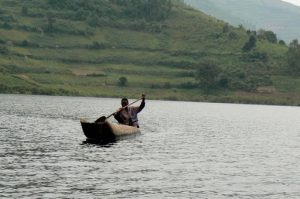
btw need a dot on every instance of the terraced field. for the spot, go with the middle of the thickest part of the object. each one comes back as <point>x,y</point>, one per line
<point>160,59</point>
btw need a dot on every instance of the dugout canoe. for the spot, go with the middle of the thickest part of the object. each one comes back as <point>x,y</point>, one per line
<point>107,131</point>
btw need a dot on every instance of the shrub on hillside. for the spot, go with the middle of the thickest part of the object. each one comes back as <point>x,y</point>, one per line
<point>207,74</point>
<point>293,56</point>
<point>24,10</point>
<point>93,20</point>
<point>80,15</point>
<point>53,25</point>
<point>2,41</point>
<point>222,80</point>
<point>7,18</point>
<point>267,35</point>
<point>123,81</point>
<point>6,25</point>
<point>242,79</point>
<point>97,45</point>
<point>188,85</point>
<point>4,89</point>
<point>281,42</point>
<point>250,44</point>
<point>255,57</point>
<point>3,50</point>
<point>26,28</point>
<point>167,85</point>
<point>226,28</point>
<point>232,35</point>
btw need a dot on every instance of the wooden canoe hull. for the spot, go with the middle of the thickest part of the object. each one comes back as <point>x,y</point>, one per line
<point>106,131</point>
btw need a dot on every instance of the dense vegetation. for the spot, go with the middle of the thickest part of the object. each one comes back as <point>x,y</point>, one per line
<point>128,47</point>
<point>294,58</point>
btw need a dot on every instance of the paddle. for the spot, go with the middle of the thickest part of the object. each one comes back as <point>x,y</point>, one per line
<point>103,118</point>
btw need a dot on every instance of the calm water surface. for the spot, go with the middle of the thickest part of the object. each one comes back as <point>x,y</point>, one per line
<point>186,150</point>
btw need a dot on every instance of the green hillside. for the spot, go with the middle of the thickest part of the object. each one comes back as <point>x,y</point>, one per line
<point>115,48</point>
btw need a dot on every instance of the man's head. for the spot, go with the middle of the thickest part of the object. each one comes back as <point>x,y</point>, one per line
<point>124,102</point>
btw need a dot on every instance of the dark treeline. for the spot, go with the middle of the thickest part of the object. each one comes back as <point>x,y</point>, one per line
<point>151,10</point>
<point>147,9</point>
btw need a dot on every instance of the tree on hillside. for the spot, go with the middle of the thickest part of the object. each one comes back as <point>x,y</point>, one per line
<point>122,81</point>
<point>226,28</point>
<point>207,75</point>
<point>293,56</point>
<point>250,44</point>
<point>281,42</point>
<point>267,35</point>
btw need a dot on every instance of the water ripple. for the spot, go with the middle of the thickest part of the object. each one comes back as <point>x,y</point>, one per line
<point>186,150</point>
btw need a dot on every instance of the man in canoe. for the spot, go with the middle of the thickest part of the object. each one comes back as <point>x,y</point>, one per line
<point>128,114</point>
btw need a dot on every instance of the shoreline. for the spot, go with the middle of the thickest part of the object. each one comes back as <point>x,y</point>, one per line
<point>246,99</point>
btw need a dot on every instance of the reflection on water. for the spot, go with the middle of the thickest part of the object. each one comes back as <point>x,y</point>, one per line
<point>186,150</point>
<point>99,143</point>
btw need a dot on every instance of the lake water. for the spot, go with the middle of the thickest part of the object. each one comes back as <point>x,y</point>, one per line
<point>185,150</point>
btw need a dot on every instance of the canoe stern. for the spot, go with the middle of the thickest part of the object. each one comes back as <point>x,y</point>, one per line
<point>96,131</point>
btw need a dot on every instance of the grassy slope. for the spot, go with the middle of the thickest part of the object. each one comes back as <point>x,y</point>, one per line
<point>153,63</point>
